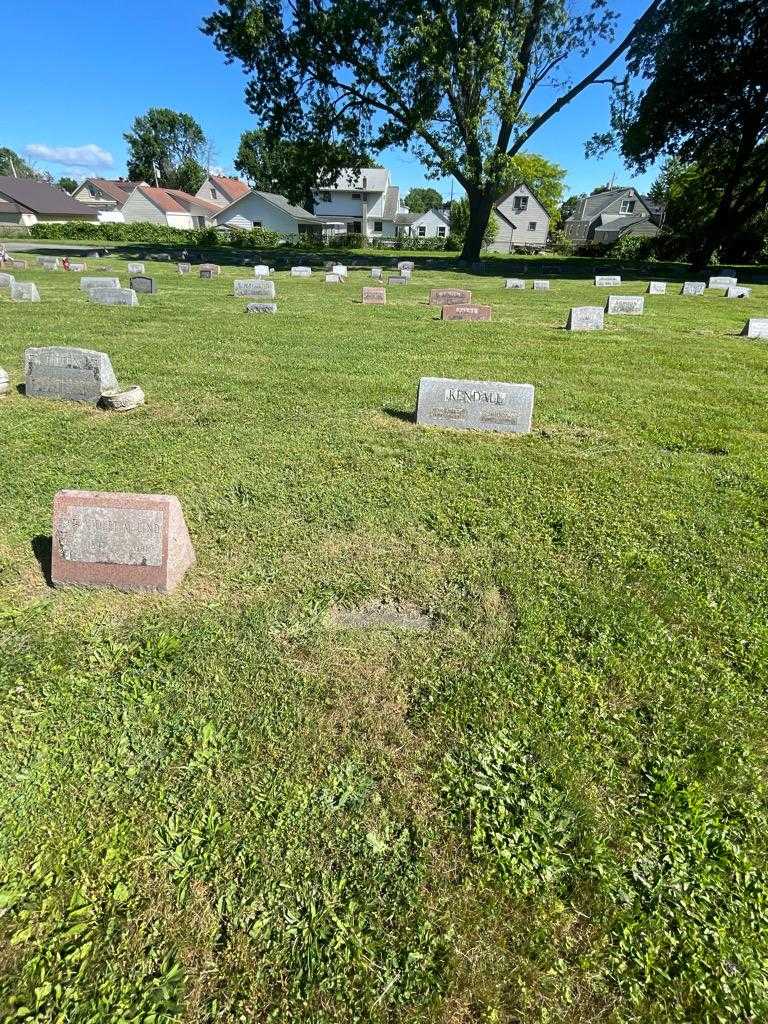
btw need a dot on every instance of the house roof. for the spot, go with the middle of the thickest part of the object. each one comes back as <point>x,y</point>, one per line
<point>594,205</point>
<point>371,179</point>
<point>440,214</point>
<point>407,218</point>
<point>230,188</point>
<point>172,200</point>
<point>297,212</point>
<point>116,188</point>
<point>511,192</point>
<point>40,197</point>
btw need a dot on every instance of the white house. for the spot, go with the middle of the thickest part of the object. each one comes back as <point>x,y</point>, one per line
<point>523,221</point>
<point>221,190</point>
<point>366,203</point>
<point>26,201</point>
<point>107,196</point>
<point>432,224</point>
<point>168,206</point>
<point>267,210</point>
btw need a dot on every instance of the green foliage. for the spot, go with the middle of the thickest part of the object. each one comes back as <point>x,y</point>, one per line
<point>547,179</point>
<point>136,232</point>
<point>633,249</point>
<point>172,142</point>
<point>68,184</point>
<point>12,165</point>
<point>460,216</point>
<point>560,243</point>
<point>420,200</point>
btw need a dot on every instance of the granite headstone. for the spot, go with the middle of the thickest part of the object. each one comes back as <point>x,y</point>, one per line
<point>458,311</point>
<point>585,318</point>
<point>24,291</point>
<point>607,280</point>
<point>756,327</point>
<point>475,405</point>
<point>113,296</point>
<point>626,305</point>
<point>693,288</point>
<point>144,285</point>
<point>374,296</point>
<point>440,296</point>
<point>657,288</point>
<point>70,374</point>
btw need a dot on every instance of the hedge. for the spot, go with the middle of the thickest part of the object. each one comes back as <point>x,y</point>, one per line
<point>157,234</point>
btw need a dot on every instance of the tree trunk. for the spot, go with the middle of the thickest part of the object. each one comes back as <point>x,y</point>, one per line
<point>480,206</point>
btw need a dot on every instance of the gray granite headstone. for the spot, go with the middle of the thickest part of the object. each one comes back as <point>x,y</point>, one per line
<point>143,284</point>
<point>74,374</point>
<point>206,274</point>
<point>261,307</point>
<point>693,288</point>
<point>255,286</point>
<point>627,305</point>
<point>209,270</point>
<point>541,286</point>
<point>86,283</point>
<point>48,262</point>
<point>756,327</point>
<point>333,278</point>
<point>475,405</point>
<point>406,265</point>
<point>113,296</point>
<point>607,280</point>
<point>6,280</point>
<point>721,282</point>
<point>376,272</point>
<point>515,282</point>
<point>261,270</point>
<point>585,318</point>
<point>396,279</point>
<point>24,291</point>
<point>340,269</point>
<point>301,271</point>
<point>77,268</point>
<point>136,268</point>
<point>738,291</point>
<point>184,268</point>
<point>657,288</point>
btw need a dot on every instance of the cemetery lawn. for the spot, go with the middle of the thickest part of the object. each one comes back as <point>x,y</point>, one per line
<point>218,806</point>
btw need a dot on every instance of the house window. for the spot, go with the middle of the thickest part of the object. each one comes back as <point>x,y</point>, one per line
<point>355,228</point>
<point>378,225</point>
<point>422,231</point>
<point>355,195</point>
<point>325,197</point>
<point>441,232</point>
<point>628,206</point>
<point>521,203</point>
<point>531,225</point>
<point>213,193</point>
<point>257,223</point>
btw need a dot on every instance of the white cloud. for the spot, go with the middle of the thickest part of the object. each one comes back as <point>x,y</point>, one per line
<point>71,156</point>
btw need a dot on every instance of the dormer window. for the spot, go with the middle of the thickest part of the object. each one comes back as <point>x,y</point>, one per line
<point>520,204</point>
<point>214,194</point>
<point>627,206</point>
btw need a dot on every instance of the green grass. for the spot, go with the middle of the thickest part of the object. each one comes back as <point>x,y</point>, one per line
<point>551,808</point>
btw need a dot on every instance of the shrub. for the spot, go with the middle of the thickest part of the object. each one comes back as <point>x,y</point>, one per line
<point>633,248</point>
<point>560,243</point>
<point>349,241</point>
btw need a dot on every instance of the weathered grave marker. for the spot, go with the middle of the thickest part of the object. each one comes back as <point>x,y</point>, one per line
<point>48,262</point>
<point>86,283</point>
<point>441,296</point>
<point>455,311</point>
<point>514,282</point>
<point>721,282</point>
<point>585,318</point>
<point>475,405</point>
<point>261,270</point>
<point>144,285</point>
<point>19,264</point>
<point>406,265</point>
<point>70,374</point>
<point>606,280</point>
<point>541,286</point>
<point>737,291</point>
<point>261,307</point>
<point>333,278</point>
<point>693,288</point>
<point>301,271</point>
<point>131,542</point>
<point>5,382</point>
<point>376,272</point>
<point>756,327</point>
<point>256,286</point>
<point>395,279</point>
<point>77,267</point>
<point>657,288</point>
<point>340,269</point>
<point>113,296</point>
<point>209,270</point>
<point>136,268</point>
<point>6,280</point>
<point>184,268</point>
<point>374,296</point>
<point>626,305</point>
<point>24,291</point>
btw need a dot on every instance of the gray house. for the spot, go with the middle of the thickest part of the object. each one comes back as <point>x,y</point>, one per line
<point>607,216</point>
<point>523,221</point>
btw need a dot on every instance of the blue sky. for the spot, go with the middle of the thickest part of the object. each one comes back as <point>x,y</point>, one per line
<point>98,65</point>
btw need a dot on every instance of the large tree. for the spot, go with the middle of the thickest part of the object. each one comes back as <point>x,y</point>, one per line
<point>169,147</point>
<point>67,183</point>
<point>547,179</point>
<point>419,200</point>
<point>14,166</point>
<point>702,97</point>
<point>454,80</point>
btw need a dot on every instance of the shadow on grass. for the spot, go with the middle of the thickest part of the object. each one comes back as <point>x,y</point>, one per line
<point>22,390</point>
<point>42,549</point>
<point>405,415</point>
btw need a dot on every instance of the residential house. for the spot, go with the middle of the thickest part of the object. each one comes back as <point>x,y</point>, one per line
<point>25,201</point>
<point>607,216</point>
<point>268,210</point>
<point>523,221</point>
<point>432,224</point>
<point>168,206</point>
<point>221,191</point>
<point>366,203</point>
<point>107,196</point>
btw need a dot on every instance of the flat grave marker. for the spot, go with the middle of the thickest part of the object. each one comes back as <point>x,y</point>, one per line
<point>255,286</point>
<point>456,311</point>
<point>625,305</point>
<point>441,296</point>
<point>261,307</point>
<point>19,264</point>
<point>374,296</point>
<point>208,270</point>
<point>585,318</point>
<point>333,279</point>
<point>130,542</point>
<point>475,405</point>
<point>541,286</point>
<point>68,374</point>
<point>6,280</point>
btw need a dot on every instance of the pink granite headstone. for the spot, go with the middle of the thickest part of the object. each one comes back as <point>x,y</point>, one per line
<point>441,296</point>
<point>374,296</point>
<point>124,541</point>
<point>453,311</point>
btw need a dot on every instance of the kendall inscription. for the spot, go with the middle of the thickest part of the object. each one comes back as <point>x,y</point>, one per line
<point>475,405</point>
